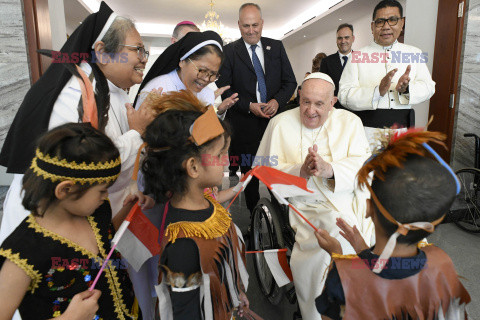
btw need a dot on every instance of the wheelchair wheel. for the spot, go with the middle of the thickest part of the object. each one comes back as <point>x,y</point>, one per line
<point>266,234</point>
<point>465,211</point>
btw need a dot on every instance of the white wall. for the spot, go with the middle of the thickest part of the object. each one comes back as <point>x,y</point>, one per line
<point>420,30</point>
<point>57,24</point>
<point>301,56</point>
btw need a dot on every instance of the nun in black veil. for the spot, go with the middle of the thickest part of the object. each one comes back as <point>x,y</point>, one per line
<point>117,59</point>
<point>191,63</point>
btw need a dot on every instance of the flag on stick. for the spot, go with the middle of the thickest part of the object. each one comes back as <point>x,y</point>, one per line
<point>136,240</point>
<point>282,185</point>
<point>278,264</point>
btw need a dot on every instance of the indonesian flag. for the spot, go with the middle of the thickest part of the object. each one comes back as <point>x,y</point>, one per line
<point>282,185</point>
<point>278,264</point>
<point>137,238</point>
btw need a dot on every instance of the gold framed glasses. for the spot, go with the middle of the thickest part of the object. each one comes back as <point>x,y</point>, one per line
<point>204,73</point>
<point>142,53</point>
<point>392,21</point>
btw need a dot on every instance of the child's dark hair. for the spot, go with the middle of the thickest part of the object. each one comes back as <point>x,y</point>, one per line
<point>168,145</point>
<point>78,142</point>
<point>422,190</point>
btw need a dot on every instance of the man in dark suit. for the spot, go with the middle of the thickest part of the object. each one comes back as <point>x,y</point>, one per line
<point>333,64</point>
<point>258,69</point>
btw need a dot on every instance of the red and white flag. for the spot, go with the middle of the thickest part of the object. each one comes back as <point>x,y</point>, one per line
<point>282,185</point>
<point>137,239</point>
<point>278,264</point>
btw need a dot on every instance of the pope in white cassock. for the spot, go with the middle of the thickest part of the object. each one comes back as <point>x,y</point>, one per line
<point>384,79</point>
<point>326,146</point>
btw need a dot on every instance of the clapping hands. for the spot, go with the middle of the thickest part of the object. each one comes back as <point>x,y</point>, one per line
<point>314,165</point>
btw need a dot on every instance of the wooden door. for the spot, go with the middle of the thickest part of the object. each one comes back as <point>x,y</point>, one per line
<point>39,36</point>
<point>446,65</point>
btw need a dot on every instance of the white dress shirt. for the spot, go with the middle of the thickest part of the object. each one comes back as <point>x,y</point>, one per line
<point>349,55</point>
<point>360,80</point>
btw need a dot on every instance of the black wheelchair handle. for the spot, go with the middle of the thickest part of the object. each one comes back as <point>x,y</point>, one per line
<point>467,135</point>
<point>477,148</point>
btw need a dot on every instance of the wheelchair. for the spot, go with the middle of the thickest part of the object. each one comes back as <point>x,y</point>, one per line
<point>465,210</point>
<point>270,229</point>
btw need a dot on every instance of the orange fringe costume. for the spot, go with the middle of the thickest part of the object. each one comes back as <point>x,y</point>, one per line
<point>222,259</point>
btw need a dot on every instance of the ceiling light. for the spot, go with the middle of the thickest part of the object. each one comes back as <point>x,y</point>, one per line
<point>212,21</point>
<point>316,10</point>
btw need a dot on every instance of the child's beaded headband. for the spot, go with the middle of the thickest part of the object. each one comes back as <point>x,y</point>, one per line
<point>392,155</point>
<point>55,169</point>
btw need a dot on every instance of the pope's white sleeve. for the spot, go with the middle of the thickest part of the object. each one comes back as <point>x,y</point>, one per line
<point>345,170</point>
<point>272,146</point>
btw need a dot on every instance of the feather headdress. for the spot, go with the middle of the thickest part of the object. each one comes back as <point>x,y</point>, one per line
<point>393,153</point>
<point>394,150</point>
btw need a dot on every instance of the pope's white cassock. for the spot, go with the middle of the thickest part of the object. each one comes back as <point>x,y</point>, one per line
<point>358,87</point>
<point>341,141</point>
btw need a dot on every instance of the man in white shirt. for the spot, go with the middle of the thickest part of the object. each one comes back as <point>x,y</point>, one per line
<point>258,69</point>
<point>383,80</point>
<point>334,64</point>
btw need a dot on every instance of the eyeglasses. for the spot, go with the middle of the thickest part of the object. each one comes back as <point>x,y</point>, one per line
<point>204,73</point>
<point>142,53</point>
<point>392,21</point>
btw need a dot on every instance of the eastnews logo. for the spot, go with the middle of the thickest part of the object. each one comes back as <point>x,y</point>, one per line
<point>86,264</point>
<point>93,57</point>
<point>394,56</point>
<point>244,160</point>
<point>395,264</point>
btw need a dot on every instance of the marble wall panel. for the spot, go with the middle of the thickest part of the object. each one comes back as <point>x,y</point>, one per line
<point>14,71</point>
<point>468,114</point>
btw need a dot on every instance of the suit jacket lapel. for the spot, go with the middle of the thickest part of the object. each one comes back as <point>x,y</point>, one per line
<point>266,55</point>
<point>338,64</point>
<point>242,52</point>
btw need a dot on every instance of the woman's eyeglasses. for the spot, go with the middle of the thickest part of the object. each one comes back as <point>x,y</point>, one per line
<point>142,53</point>
<point>204,73</point>
<point>392,21</point>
